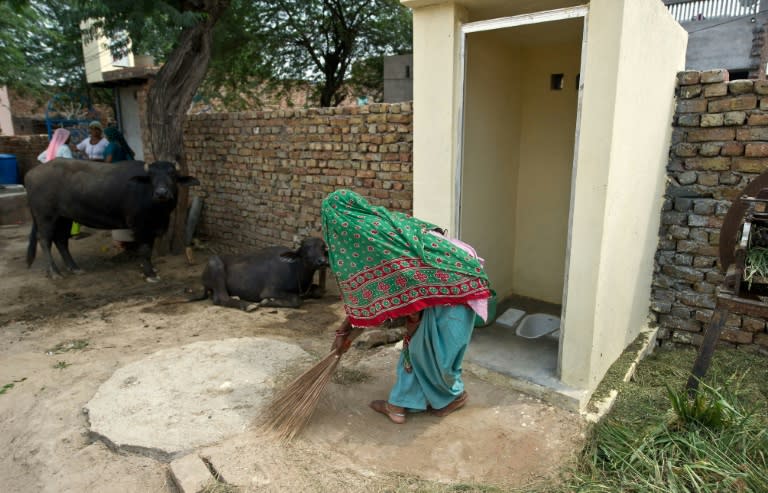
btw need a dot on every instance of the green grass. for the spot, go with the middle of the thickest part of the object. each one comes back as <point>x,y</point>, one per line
<point>657,439</point>
<point>65,346</point>
<point>61,365</point>
<point>8,386</point>
<point>215,486</point>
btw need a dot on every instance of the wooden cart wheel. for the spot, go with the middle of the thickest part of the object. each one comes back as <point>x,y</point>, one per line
<point>735,218</point>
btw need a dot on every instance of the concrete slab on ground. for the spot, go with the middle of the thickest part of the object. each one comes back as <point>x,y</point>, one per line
<point>179,399</point>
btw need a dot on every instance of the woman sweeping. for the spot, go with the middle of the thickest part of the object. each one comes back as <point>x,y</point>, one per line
<point>390,265</point>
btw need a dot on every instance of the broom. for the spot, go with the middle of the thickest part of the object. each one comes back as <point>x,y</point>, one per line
<point>291,409</point>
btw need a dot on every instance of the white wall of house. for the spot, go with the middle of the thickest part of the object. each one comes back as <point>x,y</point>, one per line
<point>6,117</point>
<point>130,118</point>
<point>99,59</point>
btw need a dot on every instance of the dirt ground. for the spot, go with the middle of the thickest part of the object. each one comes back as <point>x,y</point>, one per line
<point>60,340</point>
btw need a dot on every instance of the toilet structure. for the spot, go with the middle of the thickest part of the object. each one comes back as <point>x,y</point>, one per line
<point>541,136</point>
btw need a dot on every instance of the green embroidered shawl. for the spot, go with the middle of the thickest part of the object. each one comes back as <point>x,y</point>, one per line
<point>388,265</point>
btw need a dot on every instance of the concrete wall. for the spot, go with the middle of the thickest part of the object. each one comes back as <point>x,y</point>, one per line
<point>720,144</point>
<point>546,159</point>
<point>714,44</point>
<point>6,120</point>
<point>492,154</point>
<point>718,41</point>
<point>518,154</point>
<point>436,33</point>
<point>639,129</point>
<point>131,118</point>
<point>398,78</point>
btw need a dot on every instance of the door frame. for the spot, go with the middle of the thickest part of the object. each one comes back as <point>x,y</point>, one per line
<point>503,23</point>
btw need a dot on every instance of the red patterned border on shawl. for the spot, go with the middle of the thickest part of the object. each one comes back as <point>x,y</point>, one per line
<point>426,286</point>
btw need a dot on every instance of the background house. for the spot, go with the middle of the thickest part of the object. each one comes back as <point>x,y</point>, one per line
<point>398,78</point>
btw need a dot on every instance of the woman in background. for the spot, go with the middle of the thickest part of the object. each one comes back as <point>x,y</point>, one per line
<point>93,147</point>
<point>58,147</point>
<point>117,149</point>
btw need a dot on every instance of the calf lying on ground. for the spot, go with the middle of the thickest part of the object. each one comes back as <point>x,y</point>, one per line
<point>274,276</point>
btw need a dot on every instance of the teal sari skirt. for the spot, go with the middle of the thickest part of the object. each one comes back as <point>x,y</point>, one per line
<point>436,352</point>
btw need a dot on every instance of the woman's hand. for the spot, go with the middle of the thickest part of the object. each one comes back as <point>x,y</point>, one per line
<point>412,322</point>
<point>345,334</point>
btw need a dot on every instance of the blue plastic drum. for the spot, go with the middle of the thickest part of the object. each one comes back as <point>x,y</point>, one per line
<point>9,169</point>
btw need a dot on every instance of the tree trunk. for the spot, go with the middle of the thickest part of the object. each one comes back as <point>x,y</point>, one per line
<point>168,101</point>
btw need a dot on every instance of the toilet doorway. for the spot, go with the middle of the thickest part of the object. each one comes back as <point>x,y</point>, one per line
<point>520,110</point>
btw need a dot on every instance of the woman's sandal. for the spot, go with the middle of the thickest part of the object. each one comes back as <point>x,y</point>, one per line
<point>388,410</point>
<point>458,403</point>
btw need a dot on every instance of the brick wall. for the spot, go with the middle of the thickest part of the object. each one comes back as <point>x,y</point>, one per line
<point>26,149</point>
<point>265,174</point>
<point>719,144</point>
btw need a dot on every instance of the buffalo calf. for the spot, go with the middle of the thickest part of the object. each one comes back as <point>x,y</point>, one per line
<point>274,276</point>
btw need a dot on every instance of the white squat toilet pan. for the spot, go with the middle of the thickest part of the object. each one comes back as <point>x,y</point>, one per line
<point>538,325</point>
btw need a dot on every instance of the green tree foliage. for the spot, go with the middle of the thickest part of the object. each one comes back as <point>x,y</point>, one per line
<point>40,46</point>
<point>290,42</point>
<point>335,45</point>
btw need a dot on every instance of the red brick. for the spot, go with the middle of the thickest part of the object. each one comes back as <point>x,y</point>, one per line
<point>751,133</point>
<point>718,89</point>
<point>710,134</point>
<point>761,339</point>
<point>753,324</point>
<point>688,77</point>
<point>758,118</point>
<point>737,336</point>
<point>744,102</point>
<point>761,86</point>
<point>716,75</point>
<point>691,106</point>
<point>708,164</point>
<point>749,165</point>
<point>756,150</point>
<point>732,149</point>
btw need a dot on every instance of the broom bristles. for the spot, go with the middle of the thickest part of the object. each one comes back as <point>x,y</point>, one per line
<point>291,409</point>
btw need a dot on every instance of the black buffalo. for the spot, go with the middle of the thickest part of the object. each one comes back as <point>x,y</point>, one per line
<point>126,195</point>
<point>274,276</point>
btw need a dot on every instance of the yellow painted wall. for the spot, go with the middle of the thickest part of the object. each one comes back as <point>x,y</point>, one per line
<point>544,183</point>
<point>436,31</point>
<point>98,57</point>
<point>652,51</point>
<point>491,153</point>
<point>518,155</point>
<point>634,50</point>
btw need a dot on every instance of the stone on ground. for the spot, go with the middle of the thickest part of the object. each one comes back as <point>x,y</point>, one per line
<point>190,474</point>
